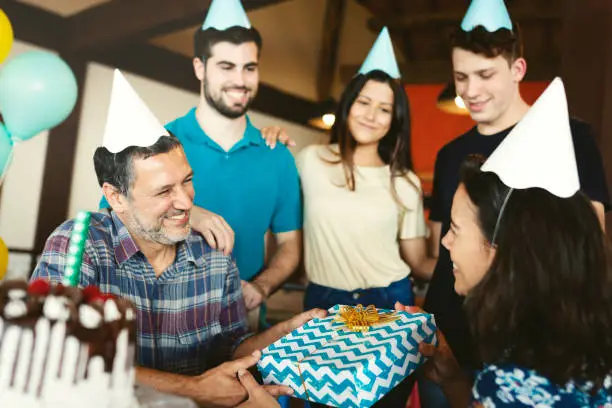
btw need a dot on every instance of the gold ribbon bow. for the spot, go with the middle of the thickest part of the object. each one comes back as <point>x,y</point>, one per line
<point>360,319</point>
<point>357,319</point>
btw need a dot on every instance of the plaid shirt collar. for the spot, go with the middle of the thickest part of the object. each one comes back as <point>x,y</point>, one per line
<point>125,247</point>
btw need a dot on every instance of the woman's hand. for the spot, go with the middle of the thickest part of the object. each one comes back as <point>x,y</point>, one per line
<point>258,396</point>
<point>274,134</point>
<point>441,366</point>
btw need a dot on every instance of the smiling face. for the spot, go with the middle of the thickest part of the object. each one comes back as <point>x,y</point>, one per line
<point>488,86</point>
<point>158,205</point>
<point>469,250</point>
<point>371,114</point>
<point>230,77</point>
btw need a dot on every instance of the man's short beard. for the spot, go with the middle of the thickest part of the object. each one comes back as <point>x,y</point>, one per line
<point>221,107</point>
<point>154,233</point>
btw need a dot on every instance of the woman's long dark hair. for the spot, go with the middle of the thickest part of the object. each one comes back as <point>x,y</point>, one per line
<point>394,148</point>
<point>546,301</point>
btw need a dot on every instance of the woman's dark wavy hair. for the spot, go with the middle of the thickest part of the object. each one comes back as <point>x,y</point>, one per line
<point>546,301</point>
<point>394,148</point>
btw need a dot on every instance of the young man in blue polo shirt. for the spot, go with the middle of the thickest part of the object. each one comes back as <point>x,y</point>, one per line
<point>243,188</point>
<point>254,188</point>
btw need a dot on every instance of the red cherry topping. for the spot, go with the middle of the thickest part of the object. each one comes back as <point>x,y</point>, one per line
<point>90,293</point>
<point>39,287</point>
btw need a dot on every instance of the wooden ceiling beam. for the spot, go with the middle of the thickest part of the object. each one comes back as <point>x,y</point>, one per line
<point>379,8</point>
<point>429,19</point>
<point>439,72</point>
<point>176,70</point>
<point>121,22</point>
<point>328,54</point>
<point>35,25</point>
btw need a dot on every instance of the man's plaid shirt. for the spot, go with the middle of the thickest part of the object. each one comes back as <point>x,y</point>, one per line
<point>189,319</point>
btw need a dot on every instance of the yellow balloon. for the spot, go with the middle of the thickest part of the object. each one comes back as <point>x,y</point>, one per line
<point>4,254</point>
<point>6,36</point>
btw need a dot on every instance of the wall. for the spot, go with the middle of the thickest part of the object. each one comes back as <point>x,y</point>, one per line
<point>23,179</point>
<point>21,190</point>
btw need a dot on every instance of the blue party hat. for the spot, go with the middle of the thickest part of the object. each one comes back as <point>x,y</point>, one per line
<point>381,56</point>
<point>224,14</point>
<point>491,14</point>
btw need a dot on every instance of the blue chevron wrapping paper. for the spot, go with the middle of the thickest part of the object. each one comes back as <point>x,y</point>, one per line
<point>340,368</point>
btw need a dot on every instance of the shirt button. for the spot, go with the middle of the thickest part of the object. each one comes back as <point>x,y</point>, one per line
<point>355,296</point>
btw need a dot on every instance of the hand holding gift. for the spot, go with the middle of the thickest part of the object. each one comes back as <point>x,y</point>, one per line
<point>258,396</point>
<point>442,366</point>
<point>351,358</point>
<point>301,319</point>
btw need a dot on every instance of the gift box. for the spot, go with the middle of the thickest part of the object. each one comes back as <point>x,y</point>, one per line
<point>351,358</point>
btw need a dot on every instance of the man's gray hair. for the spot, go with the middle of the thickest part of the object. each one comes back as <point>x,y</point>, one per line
<point>117,169</point>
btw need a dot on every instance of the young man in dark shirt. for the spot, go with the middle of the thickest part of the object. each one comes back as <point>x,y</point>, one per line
<point>488,67</point>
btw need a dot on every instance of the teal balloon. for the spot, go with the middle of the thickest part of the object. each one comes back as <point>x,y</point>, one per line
<point>6,151</point>
<point>37,92</point>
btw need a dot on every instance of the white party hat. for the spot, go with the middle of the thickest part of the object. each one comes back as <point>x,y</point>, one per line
<point>491,14</point>
<point>381,56</point>
<point>129,121</point>
<point>539,151</point>
<point>223,14</point>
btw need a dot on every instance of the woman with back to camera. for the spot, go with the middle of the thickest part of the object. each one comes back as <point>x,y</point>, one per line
<point>532,260</point>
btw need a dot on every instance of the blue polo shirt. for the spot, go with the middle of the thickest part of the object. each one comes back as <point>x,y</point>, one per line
<point>253,187</point>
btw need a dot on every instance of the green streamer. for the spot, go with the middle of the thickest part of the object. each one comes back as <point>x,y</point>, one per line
<point>76,247</point>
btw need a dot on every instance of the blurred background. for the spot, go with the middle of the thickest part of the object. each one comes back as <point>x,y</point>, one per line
<point>311,50</point>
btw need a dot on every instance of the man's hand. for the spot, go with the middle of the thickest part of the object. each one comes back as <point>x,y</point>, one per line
<point>254,294</point>
<point>258,395</point>
<point>217,233</point>
<point>274,134</point>
<point>290,325</point>
<point>264,339</point>
<point>220,387</point>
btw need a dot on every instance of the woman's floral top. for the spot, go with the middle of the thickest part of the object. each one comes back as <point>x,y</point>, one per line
<point>512,386</point>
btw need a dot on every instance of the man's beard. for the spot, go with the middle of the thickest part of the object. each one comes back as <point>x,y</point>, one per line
<point>221,107</point>
<point>155,233</point>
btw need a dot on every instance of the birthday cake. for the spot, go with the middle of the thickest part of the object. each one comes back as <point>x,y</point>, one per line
<point>63,346</point>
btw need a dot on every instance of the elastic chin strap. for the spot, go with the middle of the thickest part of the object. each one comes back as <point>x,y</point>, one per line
<point>499,217</point>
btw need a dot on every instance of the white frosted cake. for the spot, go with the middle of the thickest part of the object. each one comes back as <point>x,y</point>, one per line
<point>65,347</point>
